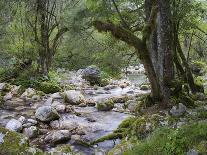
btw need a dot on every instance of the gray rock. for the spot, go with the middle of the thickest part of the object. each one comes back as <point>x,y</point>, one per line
<point>58,137</point>
<point>192,152</point>
<point>28,93</point>
<point>2,138</point>
<point>73,97</point>
<point>2,86</point>
<point>31,132</point>
<point>58,106</point>
<point>8,96</point>
<point>131,105</point>
<point>92,75</point>
<point>49,101</point>
<point>32,121</point>
<point>56,96</point>
<point>178,111</point>
<point>14,125</point>
<point>27,125</point>
<point>46,114</point>
<point>22,119</point>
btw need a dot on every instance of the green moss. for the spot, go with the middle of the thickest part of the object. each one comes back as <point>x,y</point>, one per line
<point>166,141</point>
<point>127,123</point>
<point>105,106</point>
<point>13,144</point>
<point>49,87</point>
<point>111,136</point>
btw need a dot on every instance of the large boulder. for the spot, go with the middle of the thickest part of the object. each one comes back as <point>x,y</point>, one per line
<point>14,125</point>
<point>58,137</point>
<point>46,114</point>
<point>73,97</point>
<point>92,74</point>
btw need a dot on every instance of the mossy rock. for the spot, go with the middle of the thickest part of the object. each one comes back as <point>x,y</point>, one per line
<point>64,149</point>
<point>105,106</point>
<point>12,143</point>
<point>49,87</point>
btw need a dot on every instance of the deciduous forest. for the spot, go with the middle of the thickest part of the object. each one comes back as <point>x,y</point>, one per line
<point>103,77</point>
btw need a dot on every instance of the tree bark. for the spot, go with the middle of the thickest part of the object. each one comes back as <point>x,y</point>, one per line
<point>165,48</point>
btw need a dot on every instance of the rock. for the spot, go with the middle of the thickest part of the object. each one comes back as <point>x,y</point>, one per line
<point>49,101</point>
<point>2,86</point>
<point>64,149</point>
<point>192,152</point>
<point>131,105</point>
<point>178,111</point>
<point>75,139</point>
<point>46,114</point>
<point>144,87</point>
<point>92,75</point>
<point>35,97</point>
<point>28,93</point>
<point>58,137</point>
<point>56,96</point>
<point>73,97</point>
<point>22,119</point>
<point>27,125</point>
<point>120,99</point>
<point>69,125</point>
<point>8,96</point>
<point>13,143</point>
<point>55,124</point>
<point>32,121</point>
<point>200,96</point>
<point>91,102</point>
<point>105,106</point>
<point>58,106</point>
<point>69,108</point>
<point>31,132</point>
<point>14,125</point>
<point>109,87</point>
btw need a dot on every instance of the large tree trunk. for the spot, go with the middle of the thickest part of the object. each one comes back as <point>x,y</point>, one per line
<point>165,48</point>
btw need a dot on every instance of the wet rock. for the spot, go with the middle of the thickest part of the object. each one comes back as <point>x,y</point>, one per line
<point>31,132</point>
<point>8,96</point>
<point>14,125</point>
<point>46,114</point>
<point>178,111</point>
<point>109,87</point>
<point>58,137</point>
<point>73,97</point>
<point>58,106</point>
<point>92,75</point>
<point>103,92</point>
<point>27,125</point>
<point>144,87</point>
<point>105,105</point>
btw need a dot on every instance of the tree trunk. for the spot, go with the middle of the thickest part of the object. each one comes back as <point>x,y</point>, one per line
<point>165,48</point>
